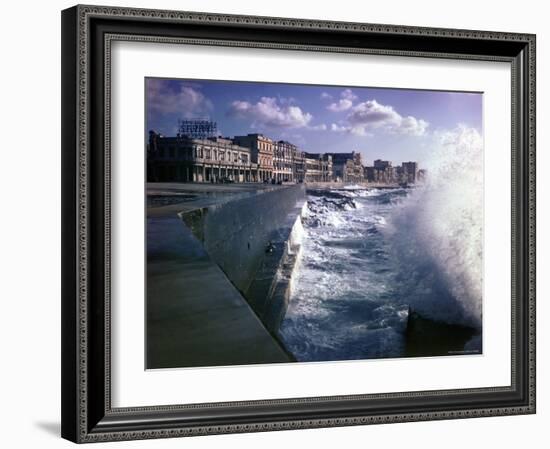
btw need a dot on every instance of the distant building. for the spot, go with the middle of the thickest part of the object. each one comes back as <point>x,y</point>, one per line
<point>355,170</point>
<point>338,165</point>
<point>368,173</point>
<point>328,167</point>
<point>257,158</point>
<point>410,170</point>
<point>382,172</point>
<point>299,166</point>
<point>261,151</point>
<point>347,167</point>
<point>389,175</point>
<point>381,165</point>
<point>283,161</point>
<point>181,159</point>
<point>318,167</point>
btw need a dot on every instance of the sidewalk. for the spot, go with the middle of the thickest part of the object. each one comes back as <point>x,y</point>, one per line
<point>195,316</point>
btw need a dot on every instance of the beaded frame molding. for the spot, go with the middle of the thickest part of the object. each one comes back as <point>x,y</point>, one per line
<point>87,34</point>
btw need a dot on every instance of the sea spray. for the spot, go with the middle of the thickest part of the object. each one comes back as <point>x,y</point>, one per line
<point>295,242</point>
<point>340,308</point>
<point>436,234</point>
<point>370,255</point>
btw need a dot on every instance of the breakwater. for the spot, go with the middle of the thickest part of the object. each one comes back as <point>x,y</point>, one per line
<point>212,252</point>
<point>253,239</point>
<point>269,292</point>
<point>239,234</point>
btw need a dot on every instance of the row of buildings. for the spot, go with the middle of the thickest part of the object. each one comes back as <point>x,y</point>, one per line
<point>383,172</point>
<point>258,158</point>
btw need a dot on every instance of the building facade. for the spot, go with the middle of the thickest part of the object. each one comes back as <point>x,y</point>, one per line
<point>261,151</point>
<point>318,167</point>
<point>257,158</point>
<point>382,172</point>
<point>410,171</point>
<point>181,159</point>
<point>328,174</point>
<point>368,173</point>
<point>299,166</point>
<point>283,161</point>
<point>382,165</point>
<point>347,167</point>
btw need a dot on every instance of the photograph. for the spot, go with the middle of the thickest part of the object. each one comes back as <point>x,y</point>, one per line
<point>279,222</point>
<point>293,223</point>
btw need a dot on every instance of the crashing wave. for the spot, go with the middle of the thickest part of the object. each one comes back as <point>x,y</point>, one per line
<point>437,234</point>
<point>371,255</point>
<point>322,210</point>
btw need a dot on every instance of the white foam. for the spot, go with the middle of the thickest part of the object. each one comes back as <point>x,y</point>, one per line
<point>443,222</point>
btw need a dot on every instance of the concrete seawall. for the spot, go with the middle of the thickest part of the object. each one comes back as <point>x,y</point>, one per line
<point>272,306</point>
<point>236,234</point>
<point>217,283</point>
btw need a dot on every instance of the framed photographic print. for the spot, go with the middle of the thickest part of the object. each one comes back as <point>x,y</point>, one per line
<point>275,223</point>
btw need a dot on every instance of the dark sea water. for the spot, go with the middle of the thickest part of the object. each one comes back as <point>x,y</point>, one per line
<point>369,256</point>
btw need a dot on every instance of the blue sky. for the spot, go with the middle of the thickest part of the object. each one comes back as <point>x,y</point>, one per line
<point>393,124</point>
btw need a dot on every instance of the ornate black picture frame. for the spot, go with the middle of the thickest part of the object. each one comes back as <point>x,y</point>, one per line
<point>87,34</point>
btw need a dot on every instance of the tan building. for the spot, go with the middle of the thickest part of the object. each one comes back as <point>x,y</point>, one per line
<point>283,161</point>
<point>299,166</point>
<point>261,151</point>
<point>383,172</point>
<point>318,167</point>
<point>215,159</point>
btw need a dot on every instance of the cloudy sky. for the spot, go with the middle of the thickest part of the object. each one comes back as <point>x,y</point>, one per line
<point>393,124</point>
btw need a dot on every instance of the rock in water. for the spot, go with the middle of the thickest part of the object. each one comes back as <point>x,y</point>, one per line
<point>425,337</point>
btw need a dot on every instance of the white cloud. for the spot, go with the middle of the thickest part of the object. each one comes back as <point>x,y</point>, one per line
<point>413,126</point>
<point>295,138</point>
<point>270,112</point>
<point>371,115</point>
<point>356,130</point>
<point>286,100</point>
<point>185,101</point>
<point>321,127</point>
<point>339,129</point>
<point>347,97</point>
<point>343,105</point>
<point>326,96</point>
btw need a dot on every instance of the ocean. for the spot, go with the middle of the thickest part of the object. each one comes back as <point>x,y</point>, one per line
<point>372,256</point>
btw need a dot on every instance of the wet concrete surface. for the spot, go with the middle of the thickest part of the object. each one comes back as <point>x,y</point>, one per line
<point>195,315</point>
